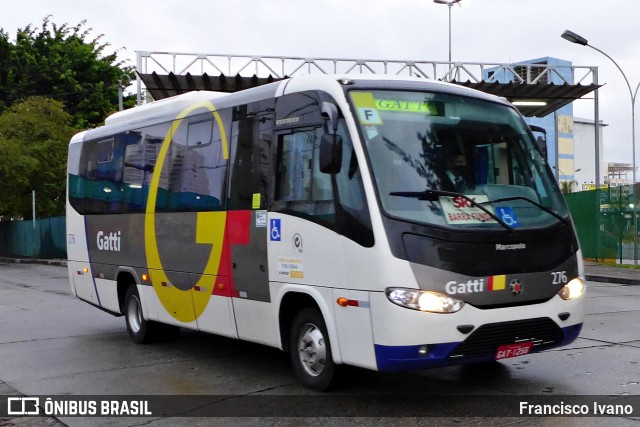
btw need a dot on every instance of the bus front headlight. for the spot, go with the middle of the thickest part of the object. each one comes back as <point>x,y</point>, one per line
<point>573,289</point>
<point>433,302</point>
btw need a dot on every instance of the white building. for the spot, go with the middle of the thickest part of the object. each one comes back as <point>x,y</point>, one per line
<point>585,154</point>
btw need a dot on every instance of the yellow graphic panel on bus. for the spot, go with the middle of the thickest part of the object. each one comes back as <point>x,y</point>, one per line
<point>369,107</point>
<point>366,108</point>
<point>185,305</point>
<point>424,107</point>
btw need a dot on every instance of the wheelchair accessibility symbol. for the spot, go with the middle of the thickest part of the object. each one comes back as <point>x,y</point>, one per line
<point>508,216</point>
<point>274,230</point>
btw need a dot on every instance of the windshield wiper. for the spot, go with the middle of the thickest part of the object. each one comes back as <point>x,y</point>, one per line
<point>541,207</point>
<point>432,196</point>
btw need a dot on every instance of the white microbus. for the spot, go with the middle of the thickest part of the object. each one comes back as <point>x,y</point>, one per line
<point>387,223</point>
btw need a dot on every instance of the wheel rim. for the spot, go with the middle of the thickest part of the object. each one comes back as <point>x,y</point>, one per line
<point>134,313</point>
<point>312,350</point>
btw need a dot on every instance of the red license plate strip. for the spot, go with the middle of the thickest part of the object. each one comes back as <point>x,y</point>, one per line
<point>513,350</point>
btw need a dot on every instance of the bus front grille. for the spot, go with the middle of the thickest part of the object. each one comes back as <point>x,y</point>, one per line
<point>542,332</point>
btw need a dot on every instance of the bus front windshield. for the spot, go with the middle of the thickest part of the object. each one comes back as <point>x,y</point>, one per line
<point>455,161</point>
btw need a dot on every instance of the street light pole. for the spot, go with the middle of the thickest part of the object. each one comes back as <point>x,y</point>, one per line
<point>123,82</point>
<point>577,39</point>
<point>449,3</point>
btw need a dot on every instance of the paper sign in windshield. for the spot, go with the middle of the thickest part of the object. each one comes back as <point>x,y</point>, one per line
<point>460,210</point>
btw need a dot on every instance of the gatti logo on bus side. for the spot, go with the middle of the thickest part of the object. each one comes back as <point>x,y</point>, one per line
<point>108,242</point>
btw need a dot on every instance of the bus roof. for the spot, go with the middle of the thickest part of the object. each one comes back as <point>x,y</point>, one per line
<point>160,107</point>
<point>330,83</point>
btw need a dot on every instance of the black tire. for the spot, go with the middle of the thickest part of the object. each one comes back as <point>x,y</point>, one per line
<point>144,331</point>
<point>140,330</point>
<point>310,350</point>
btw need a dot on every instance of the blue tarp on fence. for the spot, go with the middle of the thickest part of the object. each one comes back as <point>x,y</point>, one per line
<point>47,239</point>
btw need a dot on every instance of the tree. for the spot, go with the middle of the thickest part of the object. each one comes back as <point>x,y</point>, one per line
<point>34,136</point>
<point>567,187</point>
<point>62,63</point>
<point>54,81</point>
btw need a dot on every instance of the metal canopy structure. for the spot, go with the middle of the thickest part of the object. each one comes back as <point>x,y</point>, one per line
<point>548,87</point>
<point>554,96</point>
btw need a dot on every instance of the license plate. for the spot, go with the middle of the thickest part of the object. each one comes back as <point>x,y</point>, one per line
<point>513,350</point>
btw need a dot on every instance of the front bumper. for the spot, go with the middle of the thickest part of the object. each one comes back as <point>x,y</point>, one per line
<point>480,346</point>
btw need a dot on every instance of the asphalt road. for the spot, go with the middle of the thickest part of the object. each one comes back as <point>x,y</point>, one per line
<point>53,344</point>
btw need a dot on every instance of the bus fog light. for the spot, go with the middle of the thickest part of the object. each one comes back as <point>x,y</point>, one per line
<point>423,350</point>
<point>415,299</point>
<point>573,289</point>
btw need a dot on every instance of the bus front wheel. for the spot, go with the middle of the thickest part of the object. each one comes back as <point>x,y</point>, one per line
<point>310,350</point>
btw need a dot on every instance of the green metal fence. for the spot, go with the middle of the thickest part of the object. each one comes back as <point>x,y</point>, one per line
<point>605,227</point>
<point>46,238</point>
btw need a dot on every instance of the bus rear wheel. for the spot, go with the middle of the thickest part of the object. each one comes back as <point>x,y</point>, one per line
<point>310,350</point>
<point>138,328</point>
<point>143,331</point>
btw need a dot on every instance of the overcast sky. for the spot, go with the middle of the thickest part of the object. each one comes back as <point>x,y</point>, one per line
<point>495,31</point>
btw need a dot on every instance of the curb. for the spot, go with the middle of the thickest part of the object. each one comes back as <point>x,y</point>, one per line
<point>54,262</point>
<point>609,279</point>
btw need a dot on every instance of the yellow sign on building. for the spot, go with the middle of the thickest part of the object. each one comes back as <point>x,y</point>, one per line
<point>565,124</point>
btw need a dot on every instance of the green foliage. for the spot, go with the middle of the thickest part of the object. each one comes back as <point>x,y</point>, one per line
<point>54,81</point>
<point>34,136</point>
<point>567,187</point>
<point>63,63</point>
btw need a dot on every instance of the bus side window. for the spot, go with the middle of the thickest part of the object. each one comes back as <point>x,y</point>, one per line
<point>301,189</point>
<point>97,188</point>
<point>139,162</point>
<point>194,171</point>
<point>202,178</point>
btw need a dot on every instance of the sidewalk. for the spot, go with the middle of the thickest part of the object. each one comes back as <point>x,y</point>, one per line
<point>14,260</point>
<point>594,272</point>
<point>611,273</point>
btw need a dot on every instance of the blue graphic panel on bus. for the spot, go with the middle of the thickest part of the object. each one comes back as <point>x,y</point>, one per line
<point>508,215</point>
<point>275,230</point>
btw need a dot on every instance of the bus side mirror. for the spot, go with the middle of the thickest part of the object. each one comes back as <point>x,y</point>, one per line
<point>330,153</point>
<point>540,141</point>
<point>330,114</point>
